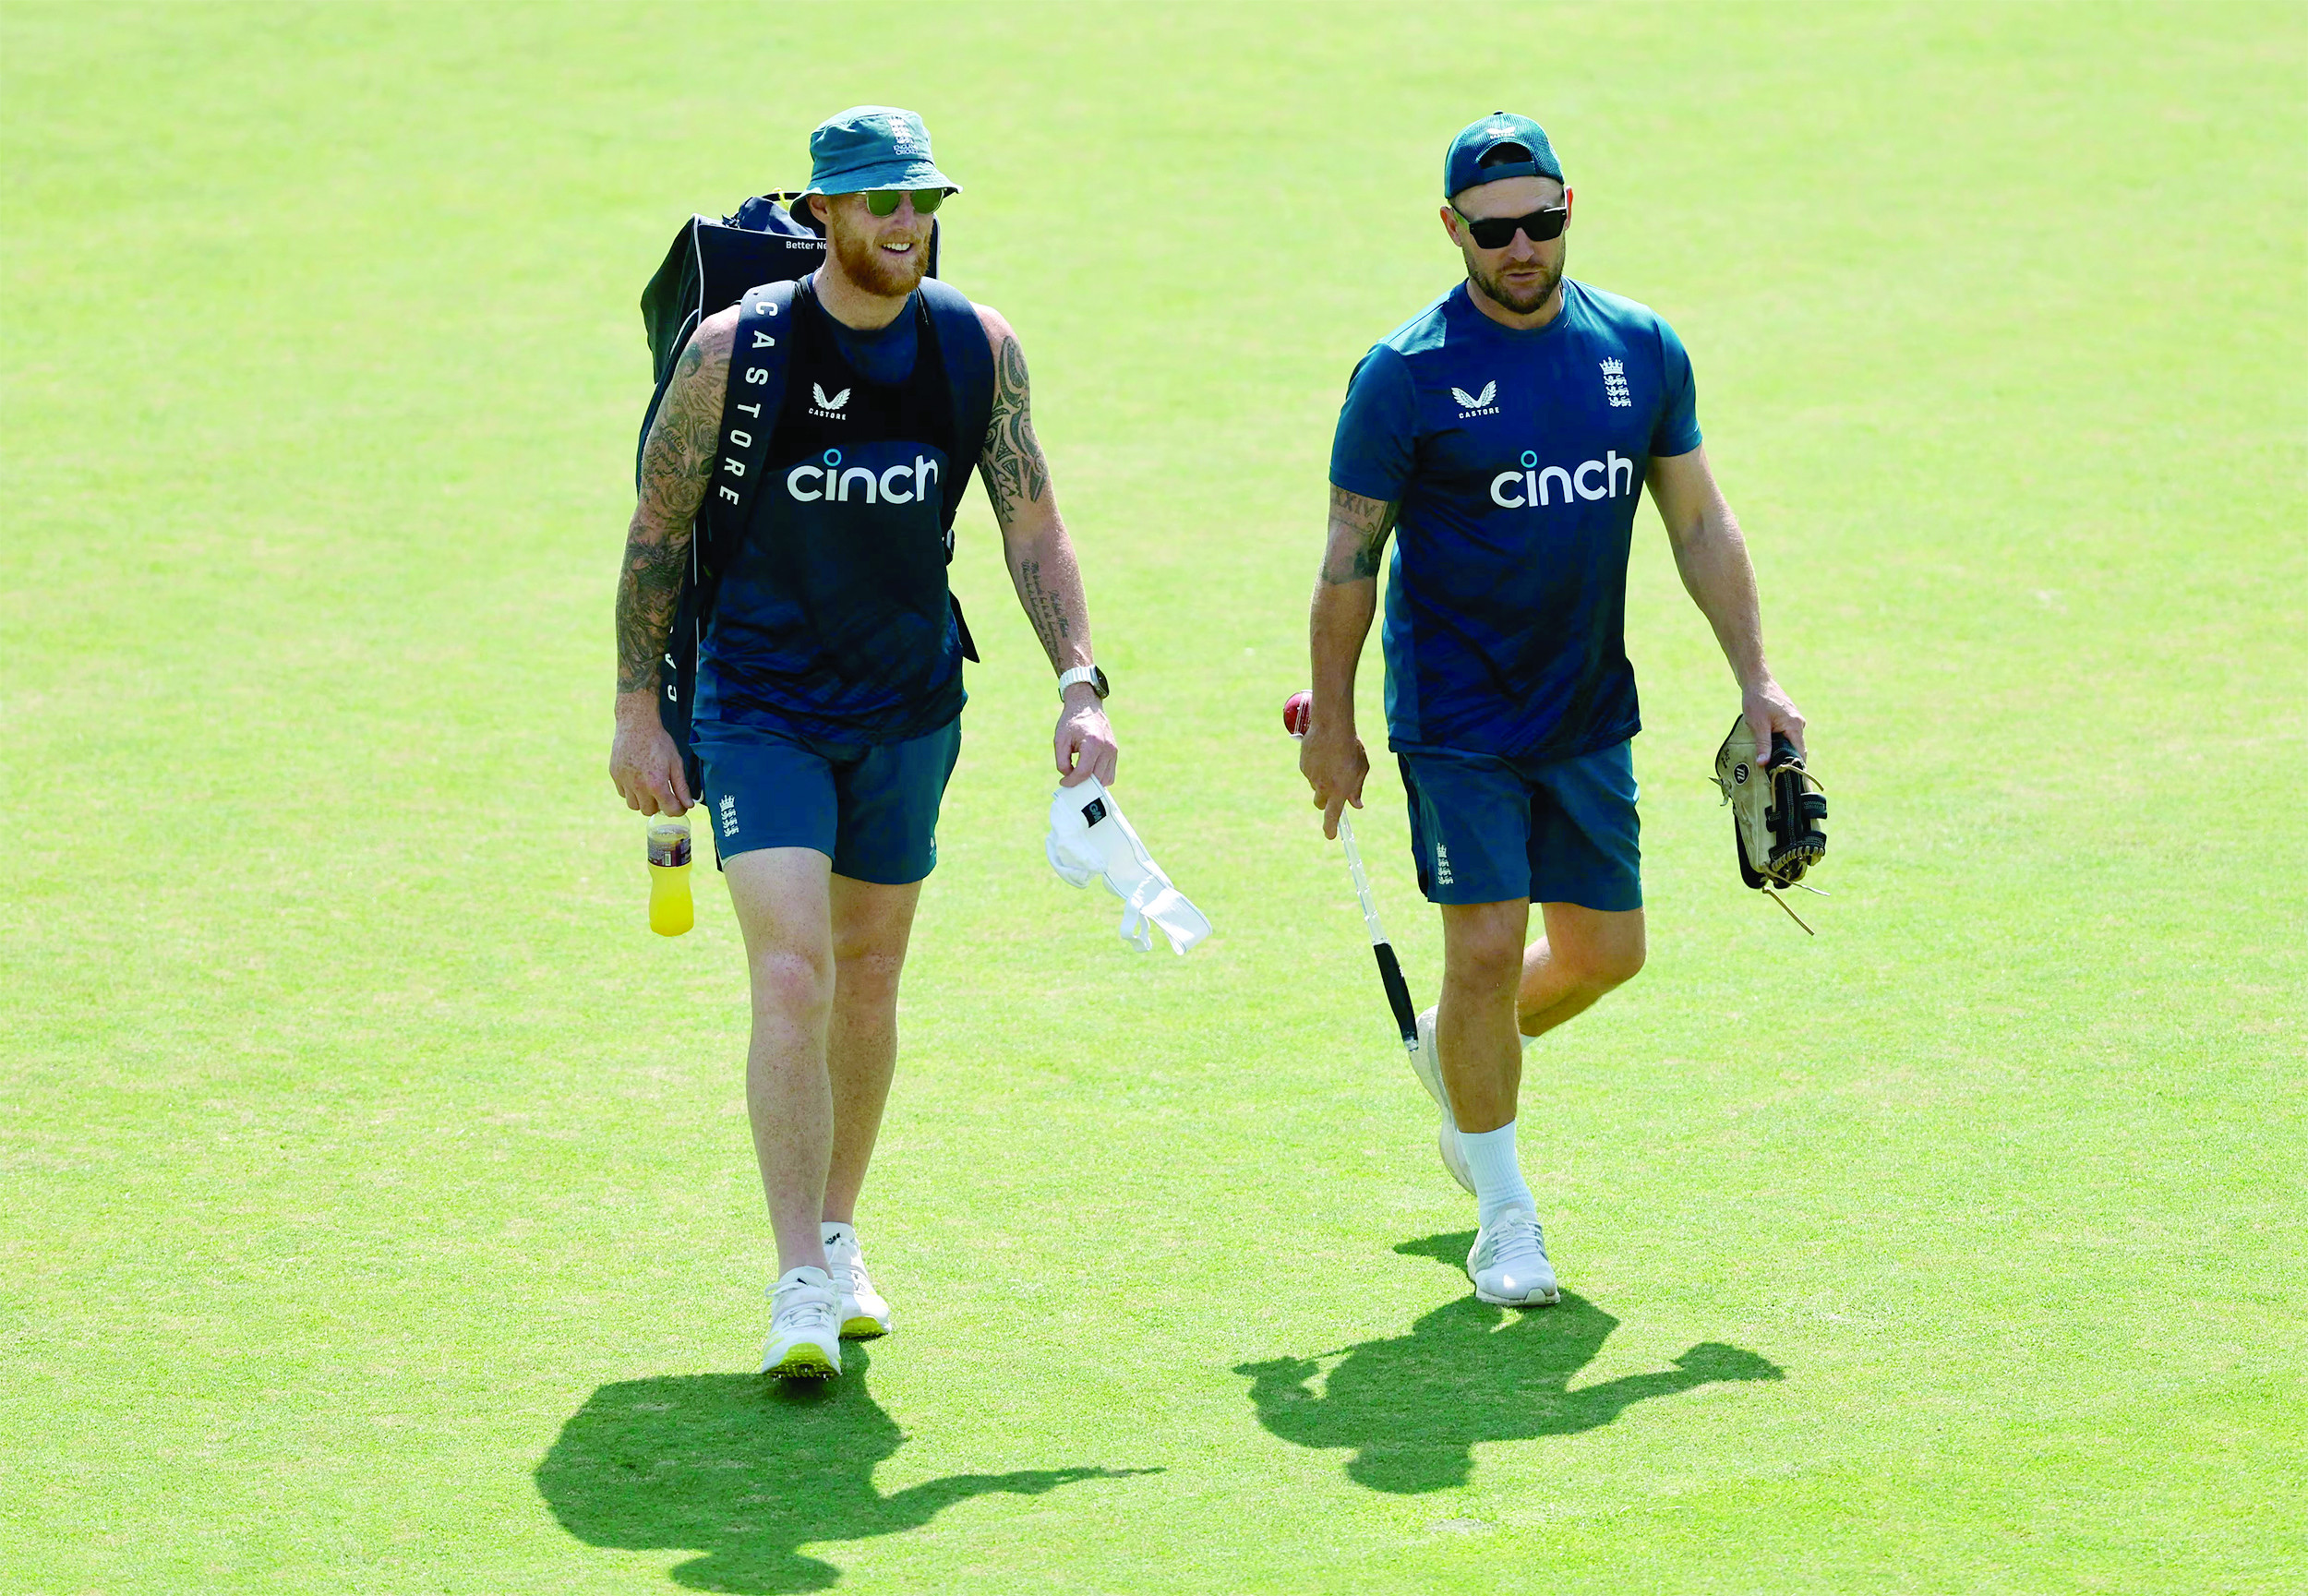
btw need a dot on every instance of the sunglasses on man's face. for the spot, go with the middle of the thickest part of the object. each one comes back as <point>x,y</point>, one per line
<point>884,201</point>
<point>1498,232</point>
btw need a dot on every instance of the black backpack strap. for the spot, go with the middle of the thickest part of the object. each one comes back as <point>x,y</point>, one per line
<point>969,359</point>
<point>749,416</point>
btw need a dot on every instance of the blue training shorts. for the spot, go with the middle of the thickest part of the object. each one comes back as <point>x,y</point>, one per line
<point>1486,830</point>
<point>871,809</point>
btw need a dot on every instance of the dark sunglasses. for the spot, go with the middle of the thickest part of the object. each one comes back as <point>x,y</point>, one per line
<point>884,201</point>
<point>1498,232</point>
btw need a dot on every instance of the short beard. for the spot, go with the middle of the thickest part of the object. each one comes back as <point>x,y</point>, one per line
<point>1526,304</point>
<point>865,263</point>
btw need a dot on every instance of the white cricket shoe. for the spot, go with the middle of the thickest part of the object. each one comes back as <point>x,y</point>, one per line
<point>864,1312</point>
<point>804,1326</point>
<point>1428,1065</point>
<point>1508,1263</point>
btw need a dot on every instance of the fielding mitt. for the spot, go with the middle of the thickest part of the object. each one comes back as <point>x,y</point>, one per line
<point>1776,810</point>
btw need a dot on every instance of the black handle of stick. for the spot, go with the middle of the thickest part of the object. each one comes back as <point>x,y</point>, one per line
<point>1398,993</point>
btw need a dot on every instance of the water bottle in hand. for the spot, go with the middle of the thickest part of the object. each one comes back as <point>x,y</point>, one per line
<point>670,911</point>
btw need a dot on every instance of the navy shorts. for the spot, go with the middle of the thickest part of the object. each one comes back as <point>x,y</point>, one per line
<point>1486,830</point>
<point>871,809</point>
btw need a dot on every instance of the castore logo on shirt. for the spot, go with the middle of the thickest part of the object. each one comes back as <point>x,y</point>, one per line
<point>1474,404</point>
<point>828,408</point>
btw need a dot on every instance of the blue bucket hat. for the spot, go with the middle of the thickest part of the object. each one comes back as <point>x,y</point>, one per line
<point>1462,164</point>
<point>873,147</point>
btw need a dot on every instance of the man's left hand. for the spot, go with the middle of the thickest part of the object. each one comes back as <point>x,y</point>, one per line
<point>1768,709</point>
<point>1085,743</point>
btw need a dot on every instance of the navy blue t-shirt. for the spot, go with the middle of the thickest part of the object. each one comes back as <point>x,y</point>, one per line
<point>1517,458</point>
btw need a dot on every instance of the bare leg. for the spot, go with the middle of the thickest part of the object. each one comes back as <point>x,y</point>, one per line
<point>1474,1022</point>
<point>871,927</point>
<point>782,901</point>
<point>1584,954</point>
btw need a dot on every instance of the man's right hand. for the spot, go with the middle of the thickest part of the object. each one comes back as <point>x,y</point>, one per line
<point>1332,761</point>
<point>644,763</point>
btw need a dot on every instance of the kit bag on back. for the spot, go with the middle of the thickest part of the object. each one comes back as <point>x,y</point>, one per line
<point>756,257</point>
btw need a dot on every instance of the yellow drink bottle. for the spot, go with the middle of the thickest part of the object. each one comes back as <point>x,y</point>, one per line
<point>670,911</point>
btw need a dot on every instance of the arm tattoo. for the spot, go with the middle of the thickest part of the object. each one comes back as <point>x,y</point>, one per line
<point>1045,609</point>
<point>675,465</point>
<point>1016,474</point>
<point>1034,541</point>
<point>1358,535</point>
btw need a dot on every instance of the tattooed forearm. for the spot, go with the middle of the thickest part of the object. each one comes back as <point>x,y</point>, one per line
<point>675,465</point>
<point>646,597</point>
<point>1049,585</point>
<point>1016,474</point>
<point>1358,536</point>
<point>1045,609</point>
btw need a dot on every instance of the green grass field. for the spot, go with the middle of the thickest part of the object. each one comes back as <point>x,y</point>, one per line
<point>377,1211</point>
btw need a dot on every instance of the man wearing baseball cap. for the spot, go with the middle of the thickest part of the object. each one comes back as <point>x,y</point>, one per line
<point>1505,432</point>
<point>829,684</point>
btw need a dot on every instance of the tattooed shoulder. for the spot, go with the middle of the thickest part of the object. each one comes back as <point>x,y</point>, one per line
<point>714,337</point>
<point>687,428</point>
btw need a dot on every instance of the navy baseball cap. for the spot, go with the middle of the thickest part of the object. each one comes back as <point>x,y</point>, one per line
<point>1463,165</point>
<point>873,147</point>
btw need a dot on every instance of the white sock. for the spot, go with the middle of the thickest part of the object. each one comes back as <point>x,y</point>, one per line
<point>1498,1183</point>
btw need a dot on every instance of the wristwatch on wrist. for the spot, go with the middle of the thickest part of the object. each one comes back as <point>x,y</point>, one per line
<point>1088,673</point>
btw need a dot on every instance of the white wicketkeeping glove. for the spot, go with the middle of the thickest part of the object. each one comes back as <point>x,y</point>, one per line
<point>1089,838</point>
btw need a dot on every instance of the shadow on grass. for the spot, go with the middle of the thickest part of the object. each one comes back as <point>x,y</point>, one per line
<point>1412,1407</point>
<point>748,1471</point>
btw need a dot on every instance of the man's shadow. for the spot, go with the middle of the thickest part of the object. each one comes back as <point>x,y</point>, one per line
<point>748,1471</point>
<point>1412,1407</point>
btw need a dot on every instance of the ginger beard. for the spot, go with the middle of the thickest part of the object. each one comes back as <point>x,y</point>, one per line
<point>857,236</point>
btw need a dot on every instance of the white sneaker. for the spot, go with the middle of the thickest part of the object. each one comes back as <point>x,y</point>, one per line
<point>804,1326</point>
<point>864,1312</point>
<point>1428,1065</point>
<point>1508,1263</point>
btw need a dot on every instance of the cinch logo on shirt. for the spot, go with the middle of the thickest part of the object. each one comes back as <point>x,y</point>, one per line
<point>1532,486</point>
<point>830,482</point>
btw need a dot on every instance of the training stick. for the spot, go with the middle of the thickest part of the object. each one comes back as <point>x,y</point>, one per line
<point>1294,716</point>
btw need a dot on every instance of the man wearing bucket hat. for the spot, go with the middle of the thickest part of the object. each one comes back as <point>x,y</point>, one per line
<point>829,683</point>
<point>1505,433</point>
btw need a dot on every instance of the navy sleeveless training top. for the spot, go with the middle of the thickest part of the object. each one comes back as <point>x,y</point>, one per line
<point>834,619</point>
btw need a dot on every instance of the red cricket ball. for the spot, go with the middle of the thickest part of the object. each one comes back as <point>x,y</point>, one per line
<point>1298,713</point>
